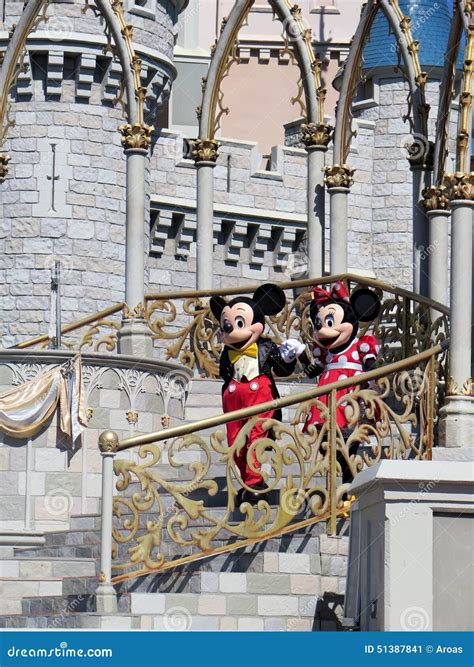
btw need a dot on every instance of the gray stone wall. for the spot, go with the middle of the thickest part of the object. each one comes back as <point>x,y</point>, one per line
<point>46,479</point>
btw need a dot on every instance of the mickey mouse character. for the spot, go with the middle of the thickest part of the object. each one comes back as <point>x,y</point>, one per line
<point>247,364</point>
<point>337,353</point>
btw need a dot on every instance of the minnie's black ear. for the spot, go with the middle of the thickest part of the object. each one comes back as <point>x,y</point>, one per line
<point>217,304</point>
<point>270,298</point>
<point>366,304</point>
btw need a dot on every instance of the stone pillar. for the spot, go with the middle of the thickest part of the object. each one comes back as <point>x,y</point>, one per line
<point>457,415</point>
<point>204,152</point>
<point>134,337</point>
<point>339,181</point>
<point>316,138</point>
<point>106,596</point>
<point>400,523</point>
<point>420,157</point>
<point>436,203</point>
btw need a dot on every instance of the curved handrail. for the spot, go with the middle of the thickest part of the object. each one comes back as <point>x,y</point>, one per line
<point>305,282</point>
<point>72,326</point>
<point>282,402</point>
<point>243,289</point>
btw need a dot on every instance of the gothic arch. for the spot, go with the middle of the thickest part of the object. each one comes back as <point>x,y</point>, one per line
<point>416,77</point>
<point>32,15</point>
<point>290,16</point>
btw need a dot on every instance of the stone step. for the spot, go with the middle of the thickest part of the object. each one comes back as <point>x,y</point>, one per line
<point>13,590</point>
<point>34,568</point>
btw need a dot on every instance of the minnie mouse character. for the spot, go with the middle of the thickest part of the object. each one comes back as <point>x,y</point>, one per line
<point>247,364</point>
<point>337,353</point>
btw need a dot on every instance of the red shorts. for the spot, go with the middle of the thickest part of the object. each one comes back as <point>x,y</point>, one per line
<point>243,395</point>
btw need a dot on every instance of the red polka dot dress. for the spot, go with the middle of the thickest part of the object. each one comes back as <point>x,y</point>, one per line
<point>345,364</point>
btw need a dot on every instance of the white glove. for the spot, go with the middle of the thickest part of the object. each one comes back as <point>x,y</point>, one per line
<point>291,349</point>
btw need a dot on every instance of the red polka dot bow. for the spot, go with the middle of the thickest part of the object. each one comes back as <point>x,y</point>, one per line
<point>338,291</point>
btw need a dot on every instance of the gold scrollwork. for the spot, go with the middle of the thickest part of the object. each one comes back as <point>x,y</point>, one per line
<point>196,342</point>
<point>153,515</point>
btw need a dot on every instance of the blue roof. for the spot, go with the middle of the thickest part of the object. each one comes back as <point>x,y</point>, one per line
<point>430,21</point>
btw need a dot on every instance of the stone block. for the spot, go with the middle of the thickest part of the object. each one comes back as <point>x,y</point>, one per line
<point>294,563</point>
<point>185,601</point>
<point>277,605</point>
<point>307,605</point>
<point>210,582</point>
<point>329,585</point>
<point>305,584</point>
<point>251,624</point>
<point>228,624</point>
<point>241,605</point>
<point>210,605</point>
<point>233,582</point>
<point>49,460</point>
<point>148,603</point>
<point>268,583</point>
<point>274,624</point>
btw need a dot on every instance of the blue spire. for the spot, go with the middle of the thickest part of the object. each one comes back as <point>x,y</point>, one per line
<point>430,20</point>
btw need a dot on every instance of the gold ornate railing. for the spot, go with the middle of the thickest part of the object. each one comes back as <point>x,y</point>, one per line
<point>185,329</point>
<point>163,522</point>
<point>99,332</point>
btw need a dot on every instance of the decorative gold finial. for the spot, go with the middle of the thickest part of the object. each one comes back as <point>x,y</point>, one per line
<point>108,441</point>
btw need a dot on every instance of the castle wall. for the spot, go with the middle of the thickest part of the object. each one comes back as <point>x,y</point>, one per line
<point>65,112</point>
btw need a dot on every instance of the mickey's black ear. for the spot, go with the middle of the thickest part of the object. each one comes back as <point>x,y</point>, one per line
<point>217,304</point>
<point>270,298</point>
<point>366,304</point>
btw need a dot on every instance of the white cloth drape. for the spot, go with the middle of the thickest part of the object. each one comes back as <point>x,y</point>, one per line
<point>24,410</point>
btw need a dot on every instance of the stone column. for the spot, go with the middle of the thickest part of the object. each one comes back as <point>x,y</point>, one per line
<point>204,152</point>
<point>339,181</point>
<point>420,157</point>
<point>457,415</point>
<point>135,337</point>
<point>106,596</point>
<point>436,203</point>
<point>316,138</point>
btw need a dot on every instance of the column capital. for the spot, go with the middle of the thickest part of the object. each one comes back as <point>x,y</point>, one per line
<point>436,198</point>
<point>460,186</point>
<point>4,160</point>
<point>204,150</point>
<point>316,135</point>
<point>136,136</point>
<point>339,176</point>
<point>453,389</point>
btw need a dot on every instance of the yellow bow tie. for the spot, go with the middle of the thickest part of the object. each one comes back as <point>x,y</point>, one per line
<point>250,351</point>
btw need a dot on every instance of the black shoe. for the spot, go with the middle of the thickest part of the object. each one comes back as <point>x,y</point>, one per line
<point>257,493</point>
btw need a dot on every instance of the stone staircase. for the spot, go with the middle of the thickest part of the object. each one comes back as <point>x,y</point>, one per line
<point>294,582</point>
